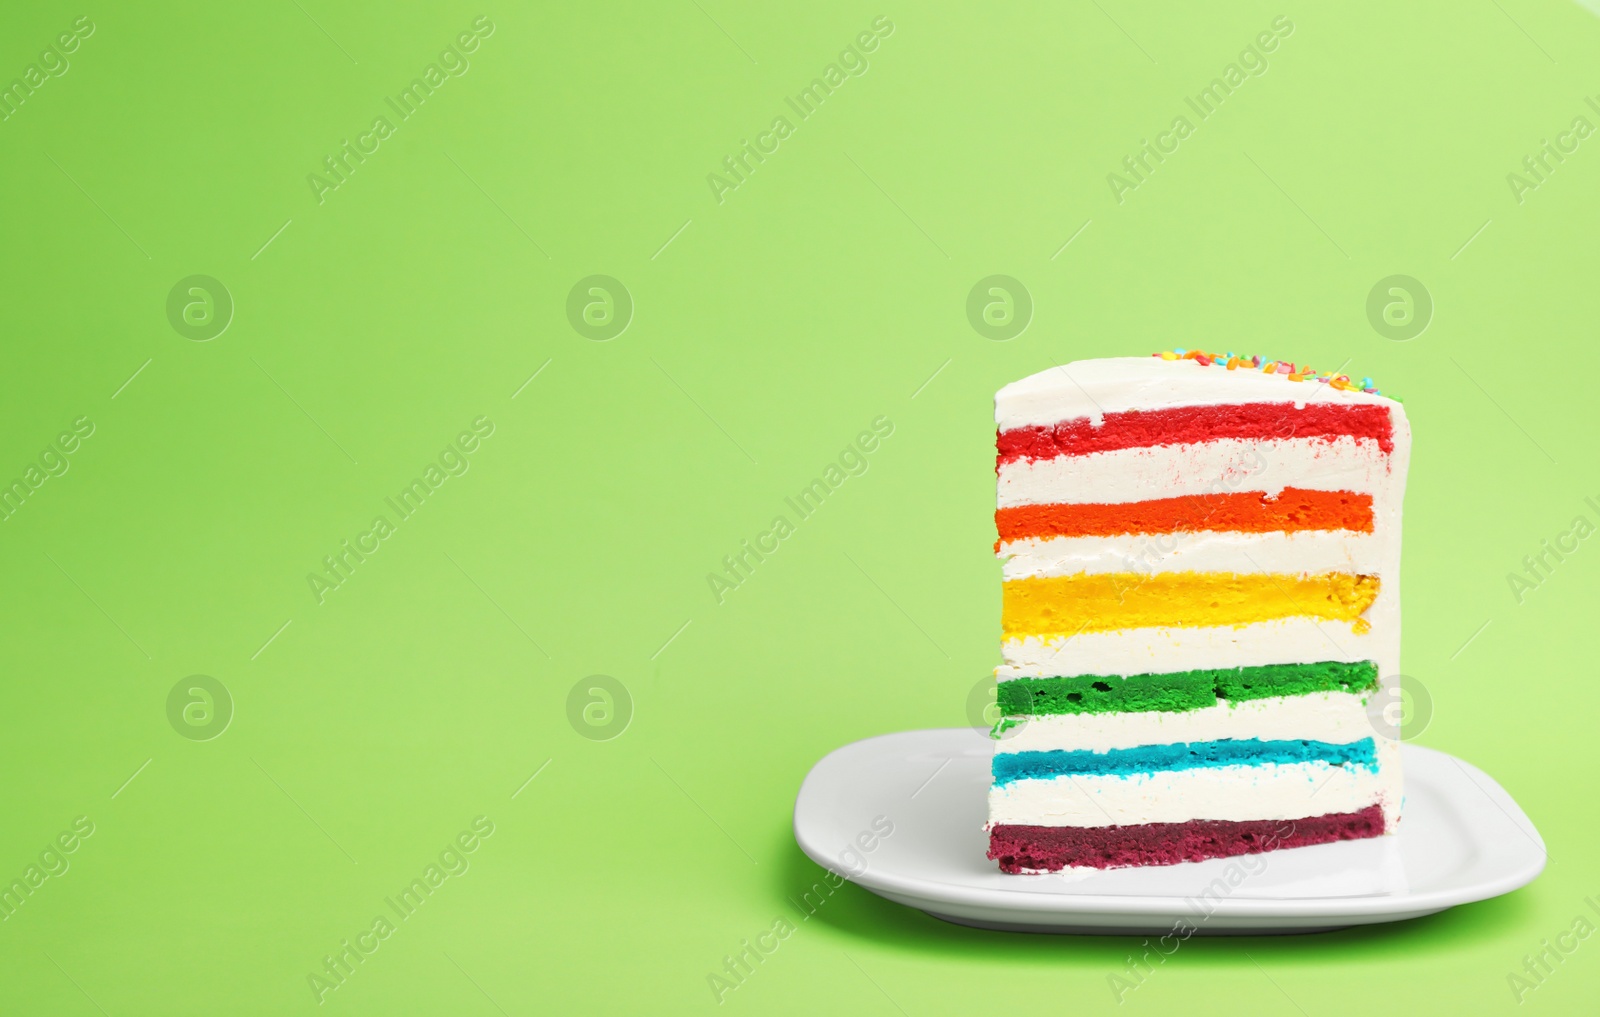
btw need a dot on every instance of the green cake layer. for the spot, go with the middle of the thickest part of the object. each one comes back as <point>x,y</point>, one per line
<point>1180,690</point>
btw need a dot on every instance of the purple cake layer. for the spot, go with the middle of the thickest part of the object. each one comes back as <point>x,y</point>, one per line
<point>1035,848</point>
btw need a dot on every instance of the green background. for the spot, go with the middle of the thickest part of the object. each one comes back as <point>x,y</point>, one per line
<point>768,330</point>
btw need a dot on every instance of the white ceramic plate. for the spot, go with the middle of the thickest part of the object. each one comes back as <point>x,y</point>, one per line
<point>1462,838</point>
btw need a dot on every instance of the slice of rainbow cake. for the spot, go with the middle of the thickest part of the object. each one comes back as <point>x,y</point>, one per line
<point>1201,593</point>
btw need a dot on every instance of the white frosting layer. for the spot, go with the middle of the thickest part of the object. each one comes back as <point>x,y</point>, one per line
<point>1159,650</point>
<point>1092,388</point>
<point>1335,717</point>
<point>1221,466</point>
<point>1311,551</point>
<point>1271,791</point>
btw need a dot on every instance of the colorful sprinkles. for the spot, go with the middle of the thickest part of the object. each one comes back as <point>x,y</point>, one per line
<point>1234,362</point>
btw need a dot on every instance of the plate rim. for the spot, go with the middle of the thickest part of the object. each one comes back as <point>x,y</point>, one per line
<point>1025,902</point>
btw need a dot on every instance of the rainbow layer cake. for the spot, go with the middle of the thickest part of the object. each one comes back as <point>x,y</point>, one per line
<point>1200,596</point>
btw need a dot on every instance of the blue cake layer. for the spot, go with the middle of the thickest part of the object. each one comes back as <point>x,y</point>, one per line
<point>1011,766</point>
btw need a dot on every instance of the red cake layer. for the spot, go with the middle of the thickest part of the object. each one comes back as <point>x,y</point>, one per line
<point>1031,848</point>
<point>1190,425</point>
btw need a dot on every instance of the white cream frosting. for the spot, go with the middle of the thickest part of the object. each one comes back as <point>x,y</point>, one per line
<point>1222,466</point>
<point>1159,650</point>
<point>1311,551</point>
<point>1335,717</point>
<point>1093,388</point>
<point>1269,791</point>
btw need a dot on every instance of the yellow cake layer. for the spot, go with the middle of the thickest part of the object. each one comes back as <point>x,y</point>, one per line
<point>1065,605</point>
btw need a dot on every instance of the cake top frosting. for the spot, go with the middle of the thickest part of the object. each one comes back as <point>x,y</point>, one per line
<point>1093,388</point>
<point>1304,372</point>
